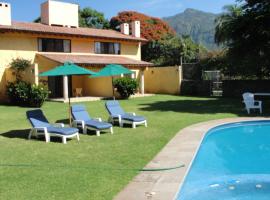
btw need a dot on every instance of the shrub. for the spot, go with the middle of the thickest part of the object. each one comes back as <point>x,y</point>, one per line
<point>18,92</point>
<point>19,65</point>
<point>25,94</point>
<point>125,86</point>
<point>38,94</point>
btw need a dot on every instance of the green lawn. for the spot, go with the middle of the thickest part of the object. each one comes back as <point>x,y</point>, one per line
<point>96,167</point>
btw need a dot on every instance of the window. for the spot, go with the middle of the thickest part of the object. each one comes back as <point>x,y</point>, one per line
<point>107,48</point>
<point>133,75</point>
<point>54,45</point>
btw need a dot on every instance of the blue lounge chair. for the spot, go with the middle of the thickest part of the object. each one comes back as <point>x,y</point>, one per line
<point>119,115</point>
<point>81,119</point>
<point>41,126</point>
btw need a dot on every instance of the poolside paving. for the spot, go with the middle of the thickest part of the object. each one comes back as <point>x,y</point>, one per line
<point>164,185</point>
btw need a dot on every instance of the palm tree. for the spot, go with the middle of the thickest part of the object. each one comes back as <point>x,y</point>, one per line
<point>226,23</point>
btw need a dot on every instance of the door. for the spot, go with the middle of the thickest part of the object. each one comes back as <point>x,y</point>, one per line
<point>55,85</point>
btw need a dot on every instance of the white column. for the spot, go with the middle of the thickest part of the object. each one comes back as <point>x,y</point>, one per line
<point>142,82</point>
<point>36,73</point>
<point>65,88</point>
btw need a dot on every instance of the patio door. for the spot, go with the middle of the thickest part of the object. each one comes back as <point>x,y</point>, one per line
<point>55,85</point>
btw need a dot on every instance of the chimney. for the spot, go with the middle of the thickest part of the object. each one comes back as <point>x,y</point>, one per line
<point>136,28</point>
<point>56,13</point>
<point>5,14</point>
<point>125,28</point>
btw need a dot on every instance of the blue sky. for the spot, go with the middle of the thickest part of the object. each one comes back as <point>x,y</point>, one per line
<point>27,10</point>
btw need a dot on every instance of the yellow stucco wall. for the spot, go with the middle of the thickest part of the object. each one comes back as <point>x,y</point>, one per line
<point>14,45</point>
<point>163,80</point>
<point>131,50</point>
<point>82,46</point>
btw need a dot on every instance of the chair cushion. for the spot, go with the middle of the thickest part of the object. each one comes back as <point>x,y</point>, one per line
<point>62,131</point>
<point>97,124</point>
<point>79,113</point>
<point>114,108</point>
<point>37,118</point>
<point>133,118</point>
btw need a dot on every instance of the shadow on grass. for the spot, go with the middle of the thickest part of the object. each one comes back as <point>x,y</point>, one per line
<point>22,134</point>
<point>64,121</point>
<point>89,132</point>
<point>203,106</point>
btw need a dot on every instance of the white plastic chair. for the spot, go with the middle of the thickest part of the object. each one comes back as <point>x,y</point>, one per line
<point>250,103</point>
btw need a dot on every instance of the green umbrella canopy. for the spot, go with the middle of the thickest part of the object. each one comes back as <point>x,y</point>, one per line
<point>67,69</point>
<point>112,70</point>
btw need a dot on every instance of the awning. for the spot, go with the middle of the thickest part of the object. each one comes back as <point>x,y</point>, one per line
<point>95,60</point>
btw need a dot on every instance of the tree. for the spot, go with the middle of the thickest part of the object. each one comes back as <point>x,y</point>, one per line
<point>245,32</point>
<point>152,28</point>
<point>170,49</point>
<point>93,19</point>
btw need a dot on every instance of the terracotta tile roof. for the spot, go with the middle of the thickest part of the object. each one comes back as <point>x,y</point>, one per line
<point>38,28</point>
<point>95,60</point>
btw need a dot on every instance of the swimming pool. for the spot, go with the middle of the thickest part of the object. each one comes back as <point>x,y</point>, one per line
<point>232,163</point>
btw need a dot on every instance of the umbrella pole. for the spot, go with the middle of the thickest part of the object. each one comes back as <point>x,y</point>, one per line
<point>69,110</point>
<point>69,106</point>
<point>113,89</point>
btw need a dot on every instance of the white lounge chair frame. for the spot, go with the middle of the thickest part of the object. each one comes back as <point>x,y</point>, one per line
<point>250,103</point>
<point>36,132</point>
<point>81,124</point>
<point>121,121</point>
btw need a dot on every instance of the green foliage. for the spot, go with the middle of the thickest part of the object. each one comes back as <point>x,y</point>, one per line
<point>38,94</point>
<point>200,26</point>
<point>91,18</point>
<point>244,29</point>
<point>25,94</point>
<point>125,86</point>
<point>170,49</point>
<point>196,88</point>
<point>18,92</point>
<point>19,65</point>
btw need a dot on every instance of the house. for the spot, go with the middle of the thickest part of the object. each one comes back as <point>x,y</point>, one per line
<point>57,39</point>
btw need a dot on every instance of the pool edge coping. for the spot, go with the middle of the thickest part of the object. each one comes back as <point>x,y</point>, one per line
<point>160,185</point>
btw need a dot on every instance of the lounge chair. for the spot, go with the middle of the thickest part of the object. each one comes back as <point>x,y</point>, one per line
<point>117,114</point>
<point>250,103</point>
<point>41,126</point>
<point>81,119</point>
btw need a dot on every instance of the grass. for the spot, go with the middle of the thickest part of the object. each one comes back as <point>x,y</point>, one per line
<point>96,167</point>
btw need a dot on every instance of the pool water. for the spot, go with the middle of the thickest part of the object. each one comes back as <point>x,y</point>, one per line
<point>232,163</point>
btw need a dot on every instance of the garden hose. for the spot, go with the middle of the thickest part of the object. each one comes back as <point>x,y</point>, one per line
<point>99,168</point>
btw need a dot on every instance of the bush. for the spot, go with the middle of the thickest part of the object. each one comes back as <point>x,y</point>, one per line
<point>125,86</point>
<point>19,65</point>
<point>18,92</point>
<point>25,94</point>
<point>38,94</point>
<point>195,88</point>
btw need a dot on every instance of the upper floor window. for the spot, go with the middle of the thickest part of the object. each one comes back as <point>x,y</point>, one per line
<point>107,48</point>
<point>54,45</point>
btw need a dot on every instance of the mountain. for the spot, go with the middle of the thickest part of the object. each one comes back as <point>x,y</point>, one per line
<point>198,24</point>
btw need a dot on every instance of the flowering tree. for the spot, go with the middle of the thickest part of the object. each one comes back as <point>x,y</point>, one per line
<point>152,28</point>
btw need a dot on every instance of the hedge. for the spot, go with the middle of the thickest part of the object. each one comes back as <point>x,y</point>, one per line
<point>235,88</point>
<point>195,88</point>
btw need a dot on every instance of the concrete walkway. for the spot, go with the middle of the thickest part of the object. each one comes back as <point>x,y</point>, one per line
<point>164,185</point>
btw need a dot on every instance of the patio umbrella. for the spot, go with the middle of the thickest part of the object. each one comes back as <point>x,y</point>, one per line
<point>112,70</point>
<point>68,69</point>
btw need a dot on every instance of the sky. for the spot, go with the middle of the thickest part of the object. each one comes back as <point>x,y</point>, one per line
<point>28,10</point>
